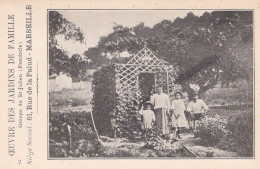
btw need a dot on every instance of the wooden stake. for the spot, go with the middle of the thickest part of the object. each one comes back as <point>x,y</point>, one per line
<point>94,125</point>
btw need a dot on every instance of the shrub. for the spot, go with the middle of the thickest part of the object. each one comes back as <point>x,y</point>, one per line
<point>104,99</point>
<point>154,142</point>
<point>240,135</point>
<point>84,142</point>
<point>211,129</point>
<point>234,134</point>
<point>114,115</point>
<point>80,122</point>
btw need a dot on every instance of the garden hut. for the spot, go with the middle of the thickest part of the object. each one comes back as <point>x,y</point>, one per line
<point>120,88</point>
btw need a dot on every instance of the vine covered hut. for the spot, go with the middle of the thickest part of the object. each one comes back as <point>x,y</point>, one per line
<point>119,90</point>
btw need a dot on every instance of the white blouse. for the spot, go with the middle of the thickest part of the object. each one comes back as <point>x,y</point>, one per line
<point>160,101</point>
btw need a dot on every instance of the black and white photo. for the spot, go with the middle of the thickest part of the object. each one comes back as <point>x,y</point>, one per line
<point>150,84</point>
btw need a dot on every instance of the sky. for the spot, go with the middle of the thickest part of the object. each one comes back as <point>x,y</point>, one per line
<point>97,23</point>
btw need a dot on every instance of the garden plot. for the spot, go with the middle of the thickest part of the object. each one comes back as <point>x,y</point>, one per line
<point>83,141</point>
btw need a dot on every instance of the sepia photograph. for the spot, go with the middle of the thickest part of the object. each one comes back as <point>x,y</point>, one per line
<point>150,84</point>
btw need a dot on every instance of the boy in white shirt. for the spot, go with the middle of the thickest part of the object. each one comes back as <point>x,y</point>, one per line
<point>197,108</point>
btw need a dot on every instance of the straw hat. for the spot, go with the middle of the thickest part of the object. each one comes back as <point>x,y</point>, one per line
<point>148,103</point>
<point>178,92</point>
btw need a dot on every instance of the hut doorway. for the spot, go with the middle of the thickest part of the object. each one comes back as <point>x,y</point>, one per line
<point>146,85</point>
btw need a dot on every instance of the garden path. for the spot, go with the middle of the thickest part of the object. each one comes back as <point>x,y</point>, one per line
<point>194,145</point>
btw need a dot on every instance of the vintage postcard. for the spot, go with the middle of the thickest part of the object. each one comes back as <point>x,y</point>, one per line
<point>91,84</point>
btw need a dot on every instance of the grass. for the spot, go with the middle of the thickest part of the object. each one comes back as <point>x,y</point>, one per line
<point>71,98</point>
<point>226,112</point>
<point>228,96</point>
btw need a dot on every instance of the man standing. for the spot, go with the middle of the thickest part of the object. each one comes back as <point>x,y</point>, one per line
<point>161,103</point>
<point>197,108</point>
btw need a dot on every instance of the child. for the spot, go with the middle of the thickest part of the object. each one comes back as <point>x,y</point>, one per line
<point>148,117</point>
<point>178,116</point>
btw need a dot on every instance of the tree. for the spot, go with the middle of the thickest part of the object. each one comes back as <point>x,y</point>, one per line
<point>78,66</point>
<point>58,58</point>
<point>221,36</point>
<point>216,47</point>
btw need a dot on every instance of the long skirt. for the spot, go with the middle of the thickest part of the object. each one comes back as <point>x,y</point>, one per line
<point>161,121</point>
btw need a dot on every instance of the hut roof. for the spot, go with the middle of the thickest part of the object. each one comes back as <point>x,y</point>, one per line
<point>146,57</point>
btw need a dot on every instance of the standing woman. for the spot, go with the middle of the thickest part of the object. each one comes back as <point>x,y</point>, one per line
<point>161,103</point>
<point>178,116</point>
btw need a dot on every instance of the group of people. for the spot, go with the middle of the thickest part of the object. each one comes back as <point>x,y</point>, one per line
<point>158,109</point>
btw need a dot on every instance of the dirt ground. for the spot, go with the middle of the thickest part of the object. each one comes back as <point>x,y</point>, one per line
<point>125,148</point>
